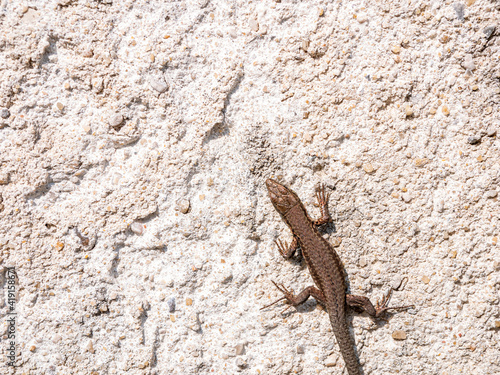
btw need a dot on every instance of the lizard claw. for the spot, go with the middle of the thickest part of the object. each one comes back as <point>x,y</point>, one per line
<point>287,295</point>
<point>281,248</point>
<point>321,196</point>
<point>382,307</point>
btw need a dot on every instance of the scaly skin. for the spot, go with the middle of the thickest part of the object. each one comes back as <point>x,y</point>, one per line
<point>325,267</point>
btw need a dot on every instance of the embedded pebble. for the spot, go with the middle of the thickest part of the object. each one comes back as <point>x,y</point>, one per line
<point>362,18</point>
<point>420,162</point>
<point>171,304</point>
<point>331,360</point>
<point>239,349</point>
<point>491,194</point>
<point>137,228</point>
<point>368,168</point>
<point>396,282</point>
<point>406,197</point>
<point>408,110</point>
<point>116,120</point>
<point>240,362</point>
<point>4,113</point>
<point>399,335</point>
<point>489,31</point>
<point>158,85</point>
<point>474,139</point>
<point>492,131</point>
<point>459,9</point>
<point>183,206</point>
<point>300,349</point>
<point>253,24</point>
<point>469,62</point>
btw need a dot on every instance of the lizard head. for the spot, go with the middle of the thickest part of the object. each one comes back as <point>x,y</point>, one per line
<point>283,199</point>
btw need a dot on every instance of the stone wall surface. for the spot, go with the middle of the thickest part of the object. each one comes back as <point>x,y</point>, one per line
<point>135,141</point>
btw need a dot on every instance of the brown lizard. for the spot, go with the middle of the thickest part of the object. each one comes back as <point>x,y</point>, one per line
<point>325,267</point>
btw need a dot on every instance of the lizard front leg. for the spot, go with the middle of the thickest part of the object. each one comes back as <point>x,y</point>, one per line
<point>322,198</point>
<point>287,251</point>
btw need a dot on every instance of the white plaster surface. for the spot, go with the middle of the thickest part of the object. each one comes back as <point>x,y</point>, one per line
<point>135,140</point>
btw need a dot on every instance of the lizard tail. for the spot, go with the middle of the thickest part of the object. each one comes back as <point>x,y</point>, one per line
<point>346,344</point>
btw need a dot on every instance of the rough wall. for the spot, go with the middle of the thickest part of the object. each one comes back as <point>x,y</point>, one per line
<point>135,139</point>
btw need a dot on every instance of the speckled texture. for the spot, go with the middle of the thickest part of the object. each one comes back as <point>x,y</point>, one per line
<point>135,139</point>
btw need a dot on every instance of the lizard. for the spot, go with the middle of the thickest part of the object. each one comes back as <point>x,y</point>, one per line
<point>325,267</point>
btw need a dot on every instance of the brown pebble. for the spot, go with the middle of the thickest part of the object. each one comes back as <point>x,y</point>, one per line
<point>189,301</point>
<point>240,349</point>
<point>336,241</point>
<point>399,335</point>
<point>426,279</point>
<point>421,162</point>
<point>368,168</point>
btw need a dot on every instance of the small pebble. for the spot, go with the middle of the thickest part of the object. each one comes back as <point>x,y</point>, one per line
<point>368,168</point>
<point>421,162</point>
<point>60,106</point>
<point>300,349</point>
<point>492,130</point>
<point>445,110</point>
<point>241,363</point>
<point>4,113</point>
<point>331,360</point>
<point>90,347</point>
<point>491,194</point>
<point>362,262</point>
<point>336,241</point>
<point>183,206</point>
<point>488,31</point>
<point>116,120</point>
<point>459,9</point>
<point>474,139</point>
<point>189,301</point>
<point>158,85</point>
<point>406,197</point>
<point>396,49</point>
<point>469,62</point>
<point>426,279</point>
<point>408,110</point>
<point>399,335</point>
<point>396,282</point>
<point>362,18</point>
<point>137,228</point>
<point>171,304</point>
<point>239,349</point>
<point>253,24</point>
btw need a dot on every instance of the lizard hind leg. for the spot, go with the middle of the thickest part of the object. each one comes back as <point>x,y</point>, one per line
<point>288,251</point>
<point>362,303</point>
